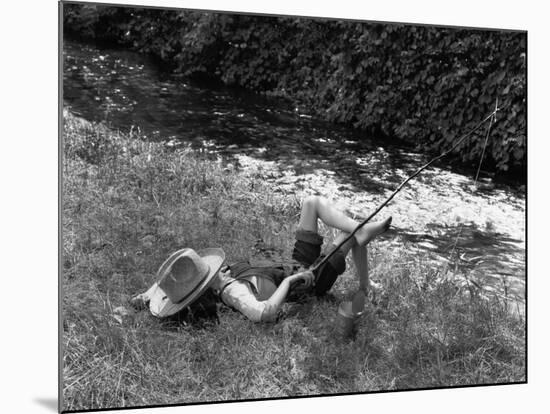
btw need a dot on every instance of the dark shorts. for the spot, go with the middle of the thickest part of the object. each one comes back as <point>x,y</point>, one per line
<point>307,251</point>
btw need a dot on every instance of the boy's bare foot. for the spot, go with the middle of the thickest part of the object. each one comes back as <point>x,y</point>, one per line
<point>370,230</point>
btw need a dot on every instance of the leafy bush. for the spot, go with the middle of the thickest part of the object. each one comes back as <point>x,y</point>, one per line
<point>423,84</point>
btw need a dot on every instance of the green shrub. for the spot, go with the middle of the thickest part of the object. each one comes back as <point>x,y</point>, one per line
<point>423,84</point>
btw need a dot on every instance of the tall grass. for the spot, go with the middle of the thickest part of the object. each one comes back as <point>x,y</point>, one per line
<point>128,203</point>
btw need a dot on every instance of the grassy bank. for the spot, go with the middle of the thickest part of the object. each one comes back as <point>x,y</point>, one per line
<point>127,204</point>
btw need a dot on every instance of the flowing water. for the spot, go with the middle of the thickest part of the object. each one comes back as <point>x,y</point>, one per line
<point>479,229</point>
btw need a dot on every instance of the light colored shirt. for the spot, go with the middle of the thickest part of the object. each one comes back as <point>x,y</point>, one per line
<point>248,295</point>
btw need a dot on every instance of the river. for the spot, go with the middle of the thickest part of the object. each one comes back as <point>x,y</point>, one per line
<point>442,214</point>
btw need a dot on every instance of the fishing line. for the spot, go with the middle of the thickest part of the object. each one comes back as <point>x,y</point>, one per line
<point>317,265</point>
<point>492,120</point>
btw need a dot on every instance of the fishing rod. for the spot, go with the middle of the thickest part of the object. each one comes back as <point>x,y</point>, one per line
<point>317,265</point>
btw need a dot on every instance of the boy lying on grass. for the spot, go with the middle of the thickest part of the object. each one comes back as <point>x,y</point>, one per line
<point>259,289</point>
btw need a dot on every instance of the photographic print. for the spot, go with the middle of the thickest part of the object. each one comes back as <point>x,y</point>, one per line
<point>259,207</point>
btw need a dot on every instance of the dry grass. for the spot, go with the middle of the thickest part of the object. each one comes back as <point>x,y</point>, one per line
<point>127,204</point>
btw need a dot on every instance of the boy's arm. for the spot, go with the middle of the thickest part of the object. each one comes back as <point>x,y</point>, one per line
<point>240,296</point>
<point>274,303</point>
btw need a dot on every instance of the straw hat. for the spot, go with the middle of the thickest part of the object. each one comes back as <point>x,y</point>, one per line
<point>182,278</point>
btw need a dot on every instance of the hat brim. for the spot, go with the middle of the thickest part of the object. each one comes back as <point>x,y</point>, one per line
<point>161,306</point>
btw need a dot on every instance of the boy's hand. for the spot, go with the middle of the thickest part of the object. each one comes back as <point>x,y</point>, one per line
<point>307,276</point>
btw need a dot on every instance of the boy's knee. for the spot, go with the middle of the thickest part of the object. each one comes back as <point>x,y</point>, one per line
<point>311,202</point>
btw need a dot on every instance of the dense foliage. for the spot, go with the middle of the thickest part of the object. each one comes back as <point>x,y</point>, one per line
<point>423,84</point>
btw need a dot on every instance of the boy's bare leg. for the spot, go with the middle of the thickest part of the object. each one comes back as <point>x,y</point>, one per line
<point>315,207</point>
<point>359,255</point>
<point>347,246</point>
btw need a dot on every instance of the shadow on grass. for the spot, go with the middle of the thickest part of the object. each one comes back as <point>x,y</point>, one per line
<point>202,313</point>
